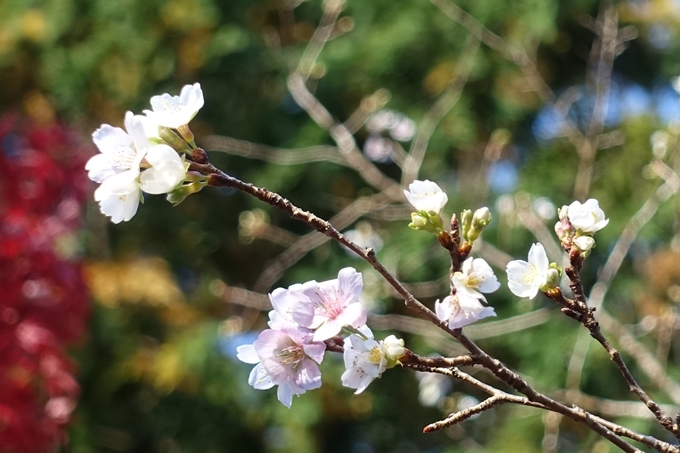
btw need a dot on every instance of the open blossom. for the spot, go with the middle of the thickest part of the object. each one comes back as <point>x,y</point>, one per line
<point>287,358</point>
<point>284,302</point>
<point>461,309</point>
<point>331,305</point>
<point>525,279</point>
<point>129,163</point>
<point>426,196</point>
<point>587,217</point>
<point>119,196</point>
<point>176,111</point>
<point>366,358</point>
<point>120,151</point>
<point>476,277</point>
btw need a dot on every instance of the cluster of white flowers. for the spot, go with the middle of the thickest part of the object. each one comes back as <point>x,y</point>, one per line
<point>465,306</point>
<point>577,224</point>
<point>136,159</point>
<point>305,315</point>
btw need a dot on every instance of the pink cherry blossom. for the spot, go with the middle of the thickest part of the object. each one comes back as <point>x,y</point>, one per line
<point>332,305</point>
<point>287,358</point>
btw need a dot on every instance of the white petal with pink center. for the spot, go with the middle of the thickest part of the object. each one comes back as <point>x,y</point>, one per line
<point>335,304</point>
<point>286,358</point>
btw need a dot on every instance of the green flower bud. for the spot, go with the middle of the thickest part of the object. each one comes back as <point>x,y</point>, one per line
<point>194,183</point>
<point>170,137</point>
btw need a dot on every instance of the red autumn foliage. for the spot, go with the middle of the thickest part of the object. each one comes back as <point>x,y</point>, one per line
<point>43,303</point>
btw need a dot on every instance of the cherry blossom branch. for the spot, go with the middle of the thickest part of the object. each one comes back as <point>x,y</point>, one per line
<point>578,309</point>
<point>649,365</point>
<point>428,364</point>
<point>218,178</point>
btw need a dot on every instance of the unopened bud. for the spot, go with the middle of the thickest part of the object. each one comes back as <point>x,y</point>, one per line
<point>194,183</point>
<point>584,243</point>
<point>394,350</point>
<point>553,278</point>
<point>170,137</point>
<point>427,221</point>
<point>465,223</point>
<point>480,220</point>
<point>187,135</point>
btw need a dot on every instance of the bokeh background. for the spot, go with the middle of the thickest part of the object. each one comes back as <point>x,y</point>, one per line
<point>121,338</point>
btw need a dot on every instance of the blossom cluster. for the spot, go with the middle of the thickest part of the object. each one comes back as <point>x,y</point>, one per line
<point>304,317</point>
<point>139,159</point>
<point>577,224</point>
<point>466,304</point>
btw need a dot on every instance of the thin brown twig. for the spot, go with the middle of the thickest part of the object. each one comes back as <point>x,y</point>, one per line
<point>367,106</point>
<point>498,397</point>
<point>649,365</point>
<point>513,54</point>
<point>589,322</point>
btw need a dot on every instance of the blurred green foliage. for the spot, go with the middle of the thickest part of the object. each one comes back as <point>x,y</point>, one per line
<point>154,370</point>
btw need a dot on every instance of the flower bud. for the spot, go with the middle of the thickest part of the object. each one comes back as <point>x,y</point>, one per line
<point>427,221</point>
<point>465,222</point>
<point>171,138</point>
<point>480,220</point>
<point>553,279</point>
<point>187,135</point>
<point>584,243</point>
<point>394,349</point>
<point>194,183</point>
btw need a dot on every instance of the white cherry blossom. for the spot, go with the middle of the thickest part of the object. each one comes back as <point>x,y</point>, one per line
<point>120,151</point>
<point>426,196</point>
<point>287,358</point>
<point>128,163</point>
<point>476,277</point>
<point>461,309</point>
<point>175,111</point>
<point>587,217</point>
<point>119,195</point>
<point>166,172</point>
<point>366,358</point>
<point>525,279</point>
